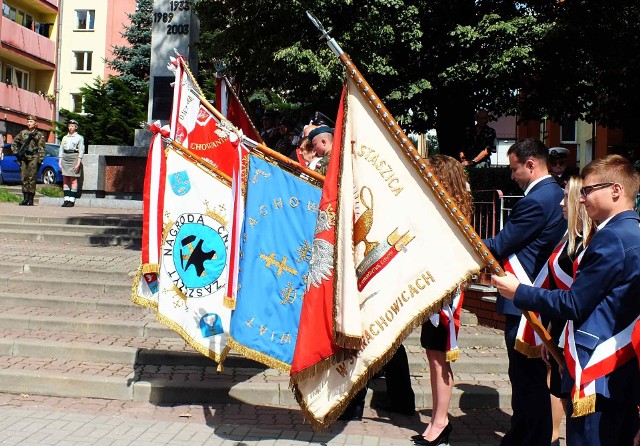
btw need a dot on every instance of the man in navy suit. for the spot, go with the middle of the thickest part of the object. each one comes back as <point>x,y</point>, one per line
<point>601,307</point>
<point>534,228</point>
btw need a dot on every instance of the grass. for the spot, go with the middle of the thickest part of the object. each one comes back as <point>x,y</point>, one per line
<point>6,196</point>
<point>51,191</point>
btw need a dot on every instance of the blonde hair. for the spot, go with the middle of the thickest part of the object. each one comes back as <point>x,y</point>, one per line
<point>451,173</point>
<point>579,224</point>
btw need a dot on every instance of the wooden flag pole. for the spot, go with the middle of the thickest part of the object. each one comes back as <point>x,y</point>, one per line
<point>293,165</point>
<point>422,166</point>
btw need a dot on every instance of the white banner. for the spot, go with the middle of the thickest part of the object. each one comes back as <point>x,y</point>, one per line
<point>398,255</point>
<point>194,256</point>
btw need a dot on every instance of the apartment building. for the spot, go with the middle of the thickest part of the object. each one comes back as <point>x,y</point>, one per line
<point>28,42</point>
<point>89,31</point>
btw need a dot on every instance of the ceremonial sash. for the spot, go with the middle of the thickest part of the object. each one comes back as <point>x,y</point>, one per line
<point>449,317</point>
<point>606,357</point>
<point>562,280</point>
<point>527,341</point>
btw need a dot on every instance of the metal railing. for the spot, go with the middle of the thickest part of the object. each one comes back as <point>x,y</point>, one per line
<point>491,209</point>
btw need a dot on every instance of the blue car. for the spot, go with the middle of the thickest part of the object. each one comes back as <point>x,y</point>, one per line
<point>49,172</point>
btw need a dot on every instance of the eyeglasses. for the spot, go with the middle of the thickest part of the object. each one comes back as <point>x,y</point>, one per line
<point>586,190</point>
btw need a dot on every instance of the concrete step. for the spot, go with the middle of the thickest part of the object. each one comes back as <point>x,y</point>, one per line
<point>131,231</point>
<point>192,384</point>
<point>80,238</point>
<point>19,280</point>
<point>125,221</point>
<point>44,272</point>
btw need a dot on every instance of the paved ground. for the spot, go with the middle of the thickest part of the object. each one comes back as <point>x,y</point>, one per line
<point>36,420</point>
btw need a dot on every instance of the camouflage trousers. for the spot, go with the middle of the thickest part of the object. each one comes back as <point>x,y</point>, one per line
<point>29,174</point>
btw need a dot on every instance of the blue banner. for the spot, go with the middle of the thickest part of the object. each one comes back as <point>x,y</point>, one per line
<point>278,229</point>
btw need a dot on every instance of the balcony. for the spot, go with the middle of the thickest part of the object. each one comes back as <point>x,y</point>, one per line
<point>32,45</point>
<point>26,102</point>
<point>51,3</point>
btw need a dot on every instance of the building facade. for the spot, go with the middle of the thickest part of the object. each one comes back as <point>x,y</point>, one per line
<point>90,29</point>
<point>28,59</point>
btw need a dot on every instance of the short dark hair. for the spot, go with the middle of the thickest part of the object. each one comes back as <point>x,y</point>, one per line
<point>529,148</point>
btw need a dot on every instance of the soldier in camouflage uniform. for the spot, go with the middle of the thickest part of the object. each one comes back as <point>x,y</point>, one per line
<point>31,160</point>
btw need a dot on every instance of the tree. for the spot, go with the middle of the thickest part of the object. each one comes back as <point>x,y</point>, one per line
<point>133,61</point>
<point>112,113</point>
<point>413,53</point>
<point>434,61</point>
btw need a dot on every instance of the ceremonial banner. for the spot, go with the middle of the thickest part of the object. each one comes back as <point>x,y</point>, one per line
<point>145,286</point>
<point>194,256</point>
<point>194,126</point>
<point>397,254</point>
<point>229,105</point>
<point>316,348</point>
<point>279,221</point>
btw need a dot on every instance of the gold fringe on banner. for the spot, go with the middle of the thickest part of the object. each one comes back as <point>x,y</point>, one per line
<point>170,323</point>
<point>258,356</point>
<point>223,358</point>
<point>375,367</point>
<point>137,299</point>
<point>229,302</point>
<point>150,268</point>
<point>530,351</point>
<point>452,355</point>
<point>583,406</point>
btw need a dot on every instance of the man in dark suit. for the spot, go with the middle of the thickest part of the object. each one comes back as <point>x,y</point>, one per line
<point>534,228</point>
<point>601,307</point>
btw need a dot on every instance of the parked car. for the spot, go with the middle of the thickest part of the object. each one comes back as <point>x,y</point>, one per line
<point>49,172</point>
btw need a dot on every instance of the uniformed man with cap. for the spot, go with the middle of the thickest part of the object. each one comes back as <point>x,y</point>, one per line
<point>70,153</point>
<point>558,164</point>
<point>28,146</point>
<point>321,138</point>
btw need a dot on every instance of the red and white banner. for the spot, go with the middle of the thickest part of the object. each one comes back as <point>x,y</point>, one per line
<point>395,255</point>
<point>195,127</point>
<point>145,288</point>
<point>227,103</point>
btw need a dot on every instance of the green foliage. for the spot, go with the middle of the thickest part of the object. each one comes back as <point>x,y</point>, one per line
<point>6,196</point>
<point>434,62</point>
<point>112,113</point>
<point>134,60</point>
<point>51,191</point>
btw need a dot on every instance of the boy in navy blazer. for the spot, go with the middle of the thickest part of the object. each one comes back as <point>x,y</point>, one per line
<point>534,228</point>
<point>601,308</point>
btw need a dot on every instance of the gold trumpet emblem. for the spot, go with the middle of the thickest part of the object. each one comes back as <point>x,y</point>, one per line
<point>363,224</point>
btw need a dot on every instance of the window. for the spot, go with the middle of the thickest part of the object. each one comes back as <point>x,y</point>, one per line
<point>17,15</point>
<point>76,103</point>
<point>568,131</point>
<point>85,19</point>
<point>82,60</point>
<point>16,77</point>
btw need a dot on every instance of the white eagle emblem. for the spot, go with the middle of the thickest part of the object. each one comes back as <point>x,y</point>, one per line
<point>321,262</point>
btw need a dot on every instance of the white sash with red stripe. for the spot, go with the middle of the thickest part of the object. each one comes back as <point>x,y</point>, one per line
<point>605,358</point>
<point>527,341</point>
<point>449,316</point>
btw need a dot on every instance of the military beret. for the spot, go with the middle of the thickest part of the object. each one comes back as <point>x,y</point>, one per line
<point>558,152</point>
<point>319,130</point>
